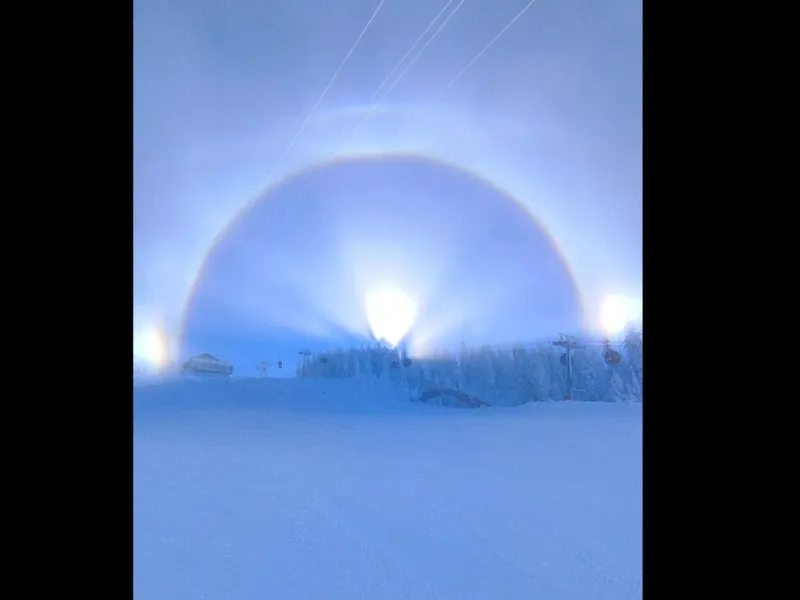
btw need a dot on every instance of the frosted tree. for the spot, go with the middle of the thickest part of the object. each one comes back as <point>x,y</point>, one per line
<point>377,361</point>
<point>322,366</point>
<point>469,372</point>
<point>365,362</point>
<point>495,375</point>
<point>318,366</point>
<point>465,374</point>
<point>483,374</point>
<point>588,374</point>
<point>505,380</point>
<point>351,369</point>
<point>544,371</point>
<point>552,380</point>
<point>344,364</point>
<point>532,380</point>
<point>634,389</point>
<point>334,365</point>
<point>634,351</point>
<point>522,365</point>
<point>397,376</point>
<point>445,370</point>
<point>308,367</point>
<point>415,378</point>
<point>617,391</point>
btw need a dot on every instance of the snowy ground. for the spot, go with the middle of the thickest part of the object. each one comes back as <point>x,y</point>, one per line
<point>286,489</point>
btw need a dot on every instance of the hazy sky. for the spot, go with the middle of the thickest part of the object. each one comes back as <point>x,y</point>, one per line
<point>549,115</point>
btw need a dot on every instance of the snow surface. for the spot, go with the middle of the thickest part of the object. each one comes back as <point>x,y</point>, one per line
<point>306,489</point>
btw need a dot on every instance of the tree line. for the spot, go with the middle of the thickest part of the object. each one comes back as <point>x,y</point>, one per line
<point>498,375</point>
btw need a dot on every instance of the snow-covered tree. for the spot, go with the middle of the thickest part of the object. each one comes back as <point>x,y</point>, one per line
<point>415,378</point>
<point>522,366</point>
<point>476,374</point>
<point>554,374</point>
<point>634,389</point>
<point>397,375</point>
<point>635,354</point>
<point>445,370</point>
<point>494,375</point>
<point>617,391</point>
<point>465,378</point>
<point>505,381</point>
<point>589,374</point>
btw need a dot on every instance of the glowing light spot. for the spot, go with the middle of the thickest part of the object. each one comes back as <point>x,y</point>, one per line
<point>149,346</point>
<point>390,314</point>
<point>617,311</point>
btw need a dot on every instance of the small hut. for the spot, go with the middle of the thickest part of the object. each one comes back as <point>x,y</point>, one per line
<point>207,364</point>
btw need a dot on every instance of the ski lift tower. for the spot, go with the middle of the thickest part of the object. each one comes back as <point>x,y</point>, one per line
<point>569,343</point>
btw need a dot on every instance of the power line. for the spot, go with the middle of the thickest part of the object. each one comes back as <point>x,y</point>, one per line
<point>413,60</point>
<point>397,80</point>
<point>325,91</point>
<point>410,50</point>
<point>484,49</point>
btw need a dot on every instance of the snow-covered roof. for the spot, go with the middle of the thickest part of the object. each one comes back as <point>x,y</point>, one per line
<point>207,358</point>
<point>207,363</point>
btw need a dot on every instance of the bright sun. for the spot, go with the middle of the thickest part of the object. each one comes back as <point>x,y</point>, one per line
<point>618,311</point>
<point>390,314</point>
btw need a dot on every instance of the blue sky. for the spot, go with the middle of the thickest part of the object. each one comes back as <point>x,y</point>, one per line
<point>549,115</point>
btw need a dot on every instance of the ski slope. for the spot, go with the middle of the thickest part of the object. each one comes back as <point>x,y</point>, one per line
<point>260,489</point>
